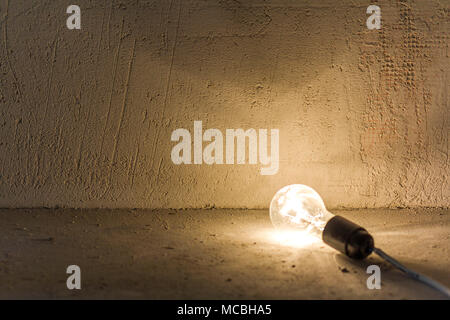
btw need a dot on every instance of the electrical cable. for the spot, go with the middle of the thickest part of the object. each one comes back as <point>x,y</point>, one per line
<point>417,276</point>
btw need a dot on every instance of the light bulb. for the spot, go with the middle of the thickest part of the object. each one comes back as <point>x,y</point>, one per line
<point>299,208</point>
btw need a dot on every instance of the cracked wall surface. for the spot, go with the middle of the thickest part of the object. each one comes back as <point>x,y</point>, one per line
<point>86,115</point>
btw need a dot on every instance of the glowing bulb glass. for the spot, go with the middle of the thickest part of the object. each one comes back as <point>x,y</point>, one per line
<point>299,208</point>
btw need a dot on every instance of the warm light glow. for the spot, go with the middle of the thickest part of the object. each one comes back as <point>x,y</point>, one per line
<point>299,208</point>
<point>296,239</point>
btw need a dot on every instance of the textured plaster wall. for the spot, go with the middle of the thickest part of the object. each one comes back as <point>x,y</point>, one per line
<point>86,115</point>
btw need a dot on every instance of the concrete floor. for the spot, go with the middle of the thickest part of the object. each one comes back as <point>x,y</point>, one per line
<point>210,254</point>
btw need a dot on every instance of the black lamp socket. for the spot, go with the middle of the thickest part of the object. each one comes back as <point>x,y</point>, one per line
<point>348,238</point>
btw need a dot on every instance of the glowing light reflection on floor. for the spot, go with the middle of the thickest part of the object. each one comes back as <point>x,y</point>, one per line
<point>292,238</point>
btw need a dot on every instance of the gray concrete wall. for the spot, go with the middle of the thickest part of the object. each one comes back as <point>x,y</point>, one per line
<point>86,115</point>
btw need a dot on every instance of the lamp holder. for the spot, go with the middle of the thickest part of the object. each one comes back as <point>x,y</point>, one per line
<point>348,238</point>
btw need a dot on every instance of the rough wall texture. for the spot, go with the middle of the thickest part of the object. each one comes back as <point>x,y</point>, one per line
<point>86,115</point>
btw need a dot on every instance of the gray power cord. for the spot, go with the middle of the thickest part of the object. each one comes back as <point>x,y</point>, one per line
<point>417,276</point>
